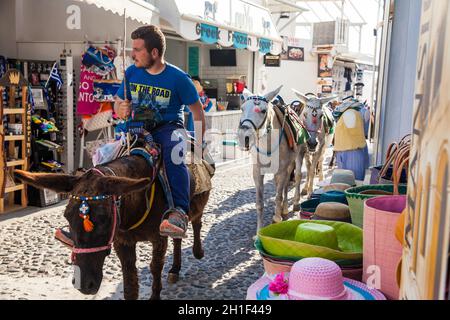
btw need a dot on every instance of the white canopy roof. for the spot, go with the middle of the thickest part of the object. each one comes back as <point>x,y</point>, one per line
<point>139,10</point>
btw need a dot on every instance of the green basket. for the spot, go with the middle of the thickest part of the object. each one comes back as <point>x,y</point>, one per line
<point>279,240</point>
<point>341,262</point>
<point>356,199</point>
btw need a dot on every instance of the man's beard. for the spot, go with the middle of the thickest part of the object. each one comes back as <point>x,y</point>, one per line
<point>150,63</point>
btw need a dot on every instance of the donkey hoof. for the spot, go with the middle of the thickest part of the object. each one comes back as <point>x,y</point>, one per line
<point>155,297</point>
<point>198,253</point>
<point>296,208</point>
<point>173,278</point>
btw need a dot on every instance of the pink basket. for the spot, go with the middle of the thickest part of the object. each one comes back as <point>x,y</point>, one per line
<point>381,248</point>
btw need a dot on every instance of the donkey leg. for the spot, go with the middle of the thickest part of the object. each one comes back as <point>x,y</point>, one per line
<point>259,185</point>
<point>320,167</point>
<point>310,172</point>
<point>285,212</point>
<point>157,265</point>
<point>298,182</point>
<point>280,181</point>
<point>127,257</point>
<point>174,272</point>
<point>197,208</point>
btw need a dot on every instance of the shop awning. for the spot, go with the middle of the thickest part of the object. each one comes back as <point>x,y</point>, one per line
<point>236,23</point>
<point>138,10</point>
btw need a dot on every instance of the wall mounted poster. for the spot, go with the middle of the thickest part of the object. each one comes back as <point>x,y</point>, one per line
<point>324,66</point>
<point>296,53</point>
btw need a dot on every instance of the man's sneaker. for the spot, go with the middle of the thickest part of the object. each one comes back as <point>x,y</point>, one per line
<point>65,237</point>
<point>174,224</point>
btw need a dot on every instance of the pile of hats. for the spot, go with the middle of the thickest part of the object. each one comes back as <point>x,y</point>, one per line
<point>311,279</point>
<point>283,244</point>
<point>330,201</point>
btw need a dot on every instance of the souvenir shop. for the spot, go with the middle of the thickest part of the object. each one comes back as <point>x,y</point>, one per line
<point>70,67</point>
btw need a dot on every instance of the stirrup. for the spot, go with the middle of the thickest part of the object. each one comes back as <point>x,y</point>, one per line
<point>168,229</point>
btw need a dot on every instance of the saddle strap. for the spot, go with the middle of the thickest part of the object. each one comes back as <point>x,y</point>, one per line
<point>149,208</point>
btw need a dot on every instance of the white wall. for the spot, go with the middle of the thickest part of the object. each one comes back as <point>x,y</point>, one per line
<point>301,76</point>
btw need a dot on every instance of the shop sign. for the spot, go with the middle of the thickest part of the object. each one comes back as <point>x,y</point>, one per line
<point>211,34</point>
<point>208,34</point>
<point>272,60</point>
<point>240,40</point>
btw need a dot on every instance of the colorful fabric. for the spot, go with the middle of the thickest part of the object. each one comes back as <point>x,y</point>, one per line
<point>354,160</point>
<point>158,99</point>
<point>99,60</point>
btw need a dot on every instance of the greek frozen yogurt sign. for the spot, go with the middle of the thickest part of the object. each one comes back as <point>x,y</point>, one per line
<point>240,40</point>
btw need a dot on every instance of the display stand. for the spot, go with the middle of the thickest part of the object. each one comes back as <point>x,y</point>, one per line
<point>14,141</point>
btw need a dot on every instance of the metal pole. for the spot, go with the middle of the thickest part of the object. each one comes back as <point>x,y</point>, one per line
<point>372,96</point>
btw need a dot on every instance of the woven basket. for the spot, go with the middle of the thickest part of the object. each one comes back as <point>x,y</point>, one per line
<point>381,248</point>
<point>356,199</point>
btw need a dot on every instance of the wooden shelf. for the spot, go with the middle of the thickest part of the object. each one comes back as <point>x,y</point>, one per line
<point>15,188</point>
<point>12,208</point>
<point>15,163</point>
<point>14,138</point>
<point>13,111</point>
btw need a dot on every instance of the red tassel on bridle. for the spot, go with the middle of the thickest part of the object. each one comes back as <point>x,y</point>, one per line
<point>87,223</point>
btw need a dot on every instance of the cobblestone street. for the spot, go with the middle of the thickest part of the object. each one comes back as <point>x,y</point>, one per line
<point>35,266</point>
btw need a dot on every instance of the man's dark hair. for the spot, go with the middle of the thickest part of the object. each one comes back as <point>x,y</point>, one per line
<point>153,38</point>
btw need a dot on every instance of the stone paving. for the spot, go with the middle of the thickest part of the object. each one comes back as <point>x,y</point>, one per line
<point>35,266</point>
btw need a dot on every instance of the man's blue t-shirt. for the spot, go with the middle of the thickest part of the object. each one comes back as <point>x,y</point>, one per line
<point>158,99</point>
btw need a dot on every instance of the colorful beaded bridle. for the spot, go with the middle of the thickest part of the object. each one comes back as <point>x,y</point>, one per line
<point>88,226</point>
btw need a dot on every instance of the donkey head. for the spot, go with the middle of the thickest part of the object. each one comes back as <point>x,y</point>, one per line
<point>254,116</point>
<point>312,116</point>
<point>89,266</point>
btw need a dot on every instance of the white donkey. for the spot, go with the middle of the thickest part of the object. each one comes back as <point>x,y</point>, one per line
<point>261,133</point>
<point>316,123</point>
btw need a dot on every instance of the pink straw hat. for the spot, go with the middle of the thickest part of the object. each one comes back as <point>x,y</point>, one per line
<point>312,279</point>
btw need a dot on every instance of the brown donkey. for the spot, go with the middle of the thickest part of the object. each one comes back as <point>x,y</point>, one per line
<point>124,180</point>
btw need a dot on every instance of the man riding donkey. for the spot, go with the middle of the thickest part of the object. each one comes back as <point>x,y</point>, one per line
<point>156,93</point>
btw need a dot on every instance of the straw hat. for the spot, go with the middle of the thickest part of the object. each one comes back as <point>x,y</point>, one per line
<point>336,186</point>
<point>334,196</point>
<point>286,239</point>
<point>311,279</point>
<point>333,211</point>
<point>343,176</point>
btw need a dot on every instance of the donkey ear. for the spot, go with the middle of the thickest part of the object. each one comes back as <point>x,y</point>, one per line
<point>120,186</point>
<point>271,95</point>
<point>304,99</point>
<point>61,183</point>
<point>245,94</point>
<point>327,99</point>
